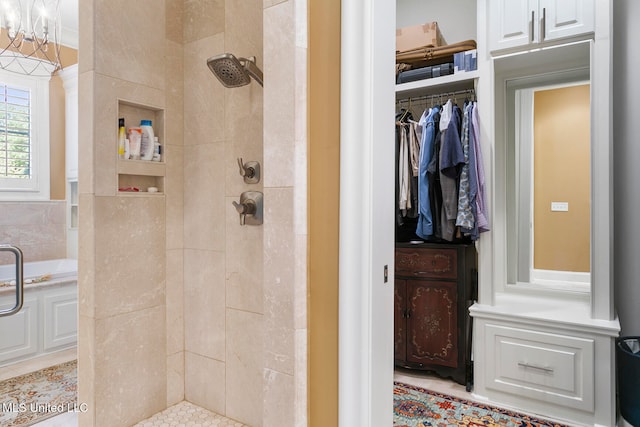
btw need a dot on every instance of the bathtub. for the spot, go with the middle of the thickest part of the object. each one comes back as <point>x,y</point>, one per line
<point>48,320</point>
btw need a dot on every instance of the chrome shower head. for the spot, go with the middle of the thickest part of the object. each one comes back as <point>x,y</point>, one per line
<point>234,72</point>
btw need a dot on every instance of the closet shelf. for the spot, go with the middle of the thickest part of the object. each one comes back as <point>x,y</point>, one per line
<point>436,85</point>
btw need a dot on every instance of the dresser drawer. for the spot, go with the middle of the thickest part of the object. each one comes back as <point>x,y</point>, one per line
<point>427,262</point>
<point>549,367</point>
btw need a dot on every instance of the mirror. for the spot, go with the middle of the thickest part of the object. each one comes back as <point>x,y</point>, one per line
<point>549,193</point>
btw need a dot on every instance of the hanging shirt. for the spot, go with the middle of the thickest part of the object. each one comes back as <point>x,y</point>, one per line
<point>451,160</point>
<point>429,122</point>
<point>481,207</point>
<point>404,197</point>
<point>465,217</point>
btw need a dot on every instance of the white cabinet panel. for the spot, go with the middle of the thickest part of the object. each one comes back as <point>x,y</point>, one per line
<point>510,23</point>
<point>549,367</point>
<point>567,18</point>
<point>60,320</point>
<point>527,24</point>
<point>18,333</point>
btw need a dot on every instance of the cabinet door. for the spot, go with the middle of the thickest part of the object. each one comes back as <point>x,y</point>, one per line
<point>512,23</point>
<point>400,321</point>
<point>60,320</point>
<point>567,18</point>
<point>19,336</point>
<point>432,332</point>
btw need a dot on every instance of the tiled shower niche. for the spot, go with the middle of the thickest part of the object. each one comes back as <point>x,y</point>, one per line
<point>141,174</point>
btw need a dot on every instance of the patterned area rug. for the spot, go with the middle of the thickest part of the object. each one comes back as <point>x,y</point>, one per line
<point>417,407</point>
<point>31,398</point>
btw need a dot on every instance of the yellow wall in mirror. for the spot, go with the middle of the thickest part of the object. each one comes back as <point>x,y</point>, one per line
<point>562,174</point>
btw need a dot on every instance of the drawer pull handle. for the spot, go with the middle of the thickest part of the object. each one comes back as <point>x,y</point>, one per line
<point>540,368</point>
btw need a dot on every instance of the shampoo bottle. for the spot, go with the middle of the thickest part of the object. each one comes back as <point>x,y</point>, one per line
<point>146,143</point>
<point>121,138</point>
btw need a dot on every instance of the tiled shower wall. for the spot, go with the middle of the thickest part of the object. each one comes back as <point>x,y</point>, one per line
<point>226,303</point>
<point>223,278</point>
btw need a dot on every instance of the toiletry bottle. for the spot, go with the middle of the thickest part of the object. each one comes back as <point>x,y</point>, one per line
<point>146,143</point>
<point>135,138</point>
<point>121,138</point>
<point>156,150</point>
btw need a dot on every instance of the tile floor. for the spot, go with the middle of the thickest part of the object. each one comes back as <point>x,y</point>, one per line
<point>187,414</point>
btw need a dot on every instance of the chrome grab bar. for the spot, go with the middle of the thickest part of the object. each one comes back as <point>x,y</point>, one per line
<point>19,280</point>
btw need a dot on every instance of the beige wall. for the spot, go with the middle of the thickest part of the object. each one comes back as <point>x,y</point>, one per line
<point>561,171</point>
<point>324,191</point>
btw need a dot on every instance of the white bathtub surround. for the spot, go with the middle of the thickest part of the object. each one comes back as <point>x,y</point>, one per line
<point>48,320</point>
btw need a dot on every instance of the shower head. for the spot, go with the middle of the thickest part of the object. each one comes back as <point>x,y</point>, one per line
<point>234,72</point>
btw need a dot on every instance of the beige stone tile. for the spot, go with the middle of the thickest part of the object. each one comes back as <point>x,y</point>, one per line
<point>244,367</point>
<point>300,96</point>
<point>203,18</point>
<point>86,93</point>
<point>129,254</point>
<point>279,348</point>
<point>174,190</point>
<point>204,107</point>
<point>270,3</point>
<point>279,95</point>
<point>174,123</point>
<point>300,291</point>
<point>243,28</point>
<point>301,17</point>
<point>86,368</point>
<point>130,41</point>
<point>175,301</point>
<point>174,20</point>
<point>204,201</point>
<point>244,264</point>
<point>175,378</point>
<point>86,39</point>
<point>204,302</point>
<point>205,382</point>
<point>245,136</point>
<point>301,377</point>
<point>279,279</point>
<point>86,262</point>
<point>279,395</point>
<point>130,367</point>
<point>300,203</point>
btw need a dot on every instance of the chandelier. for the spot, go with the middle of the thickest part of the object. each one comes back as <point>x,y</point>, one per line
<point>29,37</point>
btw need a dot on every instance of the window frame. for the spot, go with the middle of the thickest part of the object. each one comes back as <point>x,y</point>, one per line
<point>38,186</point>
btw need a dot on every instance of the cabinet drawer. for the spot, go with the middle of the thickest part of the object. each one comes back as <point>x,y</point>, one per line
<point>548,367</point>
<point>427,262</point>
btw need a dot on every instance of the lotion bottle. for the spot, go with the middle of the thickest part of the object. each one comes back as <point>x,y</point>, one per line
<point>146,143</point>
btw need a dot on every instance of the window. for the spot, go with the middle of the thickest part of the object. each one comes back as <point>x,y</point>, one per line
<point>24,137</point>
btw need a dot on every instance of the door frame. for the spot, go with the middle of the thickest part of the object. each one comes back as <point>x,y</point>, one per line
<point>367,189</point>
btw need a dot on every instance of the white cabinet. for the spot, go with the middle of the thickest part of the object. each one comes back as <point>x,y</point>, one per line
<point>517,24</point>
<point>550,367</point>
<point>20,331</point>
<point>47,322</point>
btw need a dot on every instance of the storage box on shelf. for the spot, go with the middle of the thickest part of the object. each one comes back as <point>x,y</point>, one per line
<point>141,174</point>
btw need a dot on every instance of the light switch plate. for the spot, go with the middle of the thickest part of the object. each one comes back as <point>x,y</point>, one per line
<point>559,206</point>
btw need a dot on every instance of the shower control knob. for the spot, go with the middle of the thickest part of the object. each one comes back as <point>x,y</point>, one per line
<point>249,208</point>
<point>250,171</point>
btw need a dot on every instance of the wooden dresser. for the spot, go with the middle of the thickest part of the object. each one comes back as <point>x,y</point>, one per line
<point>434,286</point>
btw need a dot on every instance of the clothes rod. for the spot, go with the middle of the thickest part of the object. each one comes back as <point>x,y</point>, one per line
<point>438,95</point>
